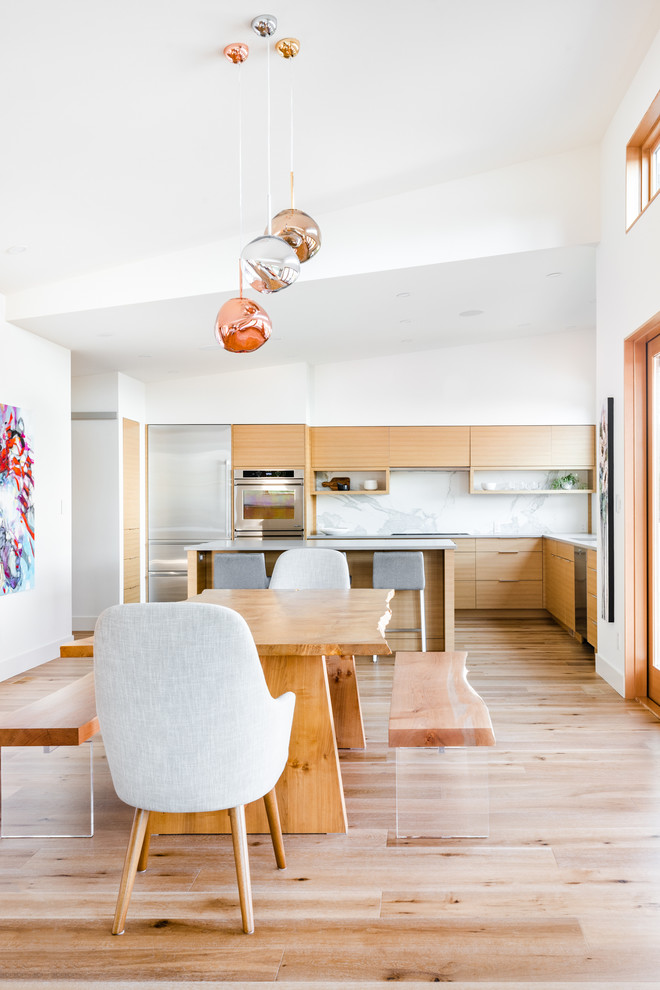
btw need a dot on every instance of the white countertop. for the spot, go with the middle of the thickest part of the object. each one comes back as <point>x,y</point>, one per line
<point>587,540</point>
<point>412,542</point>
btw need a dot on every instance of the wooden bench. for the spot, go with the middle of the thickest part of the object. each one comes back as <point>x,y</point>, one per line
<point>434,706</point>
<point>66,717</point>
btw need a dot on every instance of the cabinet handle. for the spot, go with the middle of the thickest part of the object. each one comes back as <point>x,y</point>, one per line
<point>506,551</point>
<point>509,580</point>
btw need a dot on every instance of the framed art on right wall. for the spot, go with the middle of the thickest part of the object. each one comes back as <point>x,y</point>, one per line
<point>605,505</point>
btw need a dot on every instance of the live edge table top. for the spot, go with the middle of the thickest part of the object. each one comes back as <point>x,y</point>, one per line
<point>309,623</point>
<point>299,623</point>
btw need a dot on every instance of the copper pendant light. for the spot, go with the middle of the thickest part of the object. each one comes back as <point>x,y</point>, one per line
<point>298,229</point>
<point>241,326</point>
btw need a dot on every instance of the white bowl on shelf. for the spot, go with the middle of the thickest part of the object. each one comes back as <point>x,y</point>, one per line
<point>489,486</point>
<point>335,530</point>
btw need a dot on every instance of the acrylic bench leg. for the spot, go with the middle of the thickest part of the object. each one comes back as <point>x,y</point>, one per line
<point>442,793</point>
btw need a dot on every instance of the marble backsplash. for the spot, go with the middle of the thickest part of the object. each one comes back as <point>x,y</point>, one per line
<point>440,502</point>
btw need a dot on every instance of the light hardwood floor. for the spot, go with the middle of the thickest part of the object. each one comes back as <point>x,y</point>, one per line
<point>564,894</point>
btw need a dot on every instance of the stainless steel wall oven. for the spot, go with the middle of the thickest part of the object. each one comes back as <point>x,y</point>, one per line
<point>269,503</point>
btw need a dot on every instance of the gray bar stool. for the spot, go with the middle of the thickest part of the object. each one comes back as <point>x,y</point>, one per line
<point>402,570</point>
<point>239,570</point>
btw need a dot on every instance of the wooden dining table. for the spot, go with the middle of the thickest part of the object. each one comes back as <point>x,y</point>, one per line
<point>307,642</point>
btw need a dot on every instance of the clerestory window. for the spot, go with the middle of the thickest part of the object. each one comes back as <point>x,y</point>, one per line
<point>643,164</point>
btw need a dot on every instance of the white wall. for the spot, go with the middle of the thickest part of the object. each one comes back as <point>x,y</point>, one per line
<point>628,295</point>
<point>35,375</point>
<point>547,379</point>
<point>264,395</point>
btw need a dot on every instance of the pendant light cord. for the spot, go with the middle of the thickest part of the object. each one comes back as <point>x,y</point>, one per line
<point>268,206</point>
<point>291,131</point>
<point>240,178</point>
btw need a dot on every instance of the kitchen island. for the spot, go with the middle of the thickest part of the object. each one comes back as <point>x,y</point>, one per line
<point>438,565</point>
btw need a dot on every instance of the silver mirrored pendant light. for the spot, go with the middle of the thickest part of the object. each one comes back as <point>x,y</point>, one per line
<point>268,263</point>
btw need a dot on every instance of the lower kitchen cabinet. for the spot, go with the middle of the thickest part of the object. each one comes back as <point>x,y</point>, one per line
<point>509,573</point>
<point>499,573</point>
<point>592,600</point>
<point>464,573</point>
<point>559,582</point>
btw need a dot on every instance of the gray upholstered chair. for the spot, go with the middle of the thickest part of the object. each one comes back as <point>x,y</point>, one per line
<point>239,570</point>
<point>402,570</point>
<point>310,567</point>
<point>188,724</point>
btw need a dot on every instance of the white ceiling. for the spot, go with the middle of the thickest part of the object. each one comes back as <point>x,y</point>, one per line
<point>119,146</point>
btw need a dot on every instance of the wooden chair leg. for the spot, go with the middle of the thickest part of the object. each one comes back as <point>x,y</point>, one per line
<point>135,844</point>
<point>144,852</point>
<point>239,842</point>
<point>272,811</point>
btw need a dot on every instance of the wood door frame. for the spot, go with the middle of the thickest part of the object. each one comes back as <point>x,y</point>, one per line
<point>635,519</point>
<point>653,438</point>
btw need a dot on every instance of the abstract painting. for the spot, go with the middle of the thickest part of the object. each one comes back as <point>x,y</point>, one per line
<point>16,503</point>
<point>605,495</point>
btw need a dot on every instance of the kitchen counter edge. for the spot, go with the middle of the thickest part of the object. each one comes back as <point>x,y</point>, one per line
<point>374,543</point>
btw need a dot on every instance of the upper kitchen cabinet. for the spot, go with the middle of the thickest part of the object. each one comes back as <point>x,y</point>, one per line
<point>429,446</point>
<point>270,446</point>
<point>511,446</point>
<point>349,447</point>
<point>573,446</point>
<point>515,447</point>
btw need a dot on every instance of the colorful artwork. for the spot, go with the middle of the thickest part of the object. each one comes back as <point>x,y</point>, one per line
<point>16,503</point>
<point>605,494</point>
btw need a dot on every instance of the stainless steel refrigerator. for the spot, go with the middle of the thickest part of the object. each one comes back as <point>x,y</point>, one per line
<point>189,489</point>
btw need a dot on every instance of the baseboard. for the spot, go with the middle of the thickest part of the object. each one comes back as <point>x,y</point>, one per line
<point>610,674</point>
<point>25,661</point>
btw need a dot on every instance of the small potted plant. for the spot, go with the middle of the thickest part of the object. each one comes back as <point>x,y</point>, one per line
<point>566,481</point>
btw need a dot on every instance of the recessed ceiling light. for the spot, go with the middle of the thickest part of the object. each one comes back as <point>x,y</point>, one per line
<point>554,274</point>
<point>16,249</point>
<point>405,321</point>
<point>402,295</point>
<point>471,312</point>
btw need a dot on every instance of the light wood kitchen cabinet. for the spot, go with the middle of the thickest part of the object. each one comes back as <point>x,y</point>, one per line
<point>592,599</point>
<point>509,573</point>
<point>559,448</point>
<point>464,573</point>
<point>131,506</point>
<point>337,448</point>
<point>559,582</point>
<point>498,573</point>
<point>268,446</point>
<point>429,446</point>
<point>511,446</point>
<point>573,446</point>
